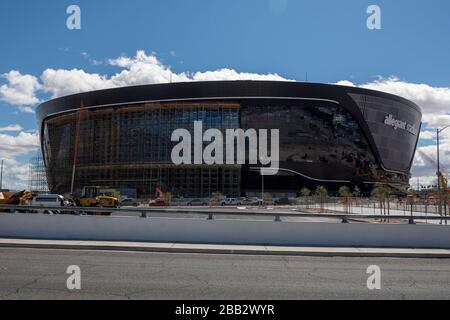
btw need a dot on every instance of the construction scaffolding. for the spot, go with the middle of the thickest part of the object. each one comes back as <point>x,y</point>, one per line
<point>37,175</point>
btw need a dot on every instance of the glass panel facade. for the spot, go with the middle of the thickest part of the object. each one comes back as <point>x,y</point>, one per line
<point>317,139</point>
<point>395,146</point>
<point>129,147</point>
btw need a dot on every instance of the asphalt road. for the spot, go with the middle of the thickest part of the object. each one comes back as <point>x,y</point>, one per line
<point>41,274</point>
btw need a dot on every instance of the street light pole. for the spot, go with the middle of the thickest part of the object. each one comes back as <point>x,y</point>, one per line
<point>262,159</point>
<point>1,176</point>
<point>438,173</point>
<point>262,188</point>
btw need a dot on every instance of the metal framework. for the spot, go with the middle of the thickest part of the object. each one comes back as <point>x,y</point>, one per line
<point>37,181</point>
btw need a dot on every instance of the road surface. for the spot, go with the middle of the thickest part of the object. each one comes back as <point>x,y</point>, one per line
<point>41,274</point>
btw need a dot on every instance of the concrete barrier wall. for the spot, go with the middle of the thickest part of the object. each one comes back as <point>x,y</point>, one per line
<point>222,231</point>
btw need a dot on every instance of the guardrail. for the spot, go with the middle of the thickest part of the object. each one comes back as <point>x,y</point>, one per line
<point>212,212</point>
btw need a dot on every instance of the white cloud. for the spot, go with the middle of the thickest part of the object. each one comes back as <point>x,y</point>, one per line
<point>345,83</point>
<point>11,128</point>
<point>94,62</point>
<point>424,181</point>
<point>138,70</point>
<point>425,161</point>
<point>15,173</point>
<point>434,101</point>
<point>24,109</point>
<point>430,98</point>
<point>20,144</point>
<point>20,89</point>
<point>143,69</point>
<point>64,82</point>
<point>230,74</point>
<point>427,135</point>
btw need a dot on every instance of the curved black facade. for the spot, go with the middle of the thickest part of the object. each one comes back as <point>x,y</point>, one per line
<point>329,135</point>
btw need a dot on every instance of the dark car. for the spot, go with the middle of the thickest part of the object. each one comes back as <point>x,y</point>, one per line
<point>129,203</point>
<point>197,202</point>
<point>282,202</point>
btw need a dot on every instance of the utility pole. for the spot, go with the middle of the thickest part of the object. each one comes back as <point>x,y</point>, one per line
<point>438,173</point>
<point>262,160</point>
<point>1,176</point>
<point>262,188</point>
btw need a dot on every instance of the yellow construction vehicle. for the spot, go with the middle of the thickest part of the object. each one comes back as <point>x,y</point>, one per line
<point>15,198</point>
<point>98,197</point>
<point>11,198</point>
<point>25,200</point>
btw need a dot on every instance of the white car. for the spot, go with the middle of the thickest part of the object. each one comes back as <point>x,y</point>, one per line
<point>49,201</point>
<point>231,202</point>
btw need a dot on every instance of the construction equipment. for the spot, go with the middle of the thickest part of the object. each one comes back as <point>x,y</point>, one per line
<point>162,199</point>
<point>98,197</point>
<point>11,198</point>
<point>442,179</point>
<point>15,198</point>
<point>21,198</point>
<point>442,193</point>
<point>26,198</point>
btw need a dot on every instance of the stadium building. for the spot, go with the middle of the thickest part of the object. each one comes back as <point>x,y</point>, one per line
<point>328,135</point>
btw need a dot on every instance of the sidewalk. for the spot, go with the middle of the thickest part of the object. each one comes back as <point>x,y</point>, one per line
<point>225,249</point>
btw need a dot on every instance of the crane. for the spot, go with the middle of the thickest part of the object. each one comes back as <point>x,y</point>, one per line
<point>443,185</point>
<point>442,178</point>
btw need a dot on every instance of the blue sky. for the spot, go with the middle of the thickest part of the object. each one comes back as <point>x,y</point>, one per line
<point>327,39</point>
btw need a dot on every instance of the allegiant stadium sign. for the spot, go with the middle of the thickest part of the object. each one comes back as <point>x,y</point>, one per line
<point>402,125</point>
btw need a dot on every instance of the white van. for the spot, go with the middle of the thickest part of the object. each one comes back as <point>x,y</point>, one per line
<point>48,200</point>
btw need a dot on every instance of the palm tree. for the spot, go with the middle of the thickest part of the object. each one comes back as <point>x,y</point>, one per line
<point>357,194</point>
<point>216,197</point>
<point>305,192</point>
<point>344,192</point>
<point>321,193</point>
<point>381,193</point>
<point>267,198</point>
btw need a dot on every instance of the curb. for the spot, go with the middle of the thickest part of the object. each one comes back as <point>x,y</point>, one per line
<point>226,249</point>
